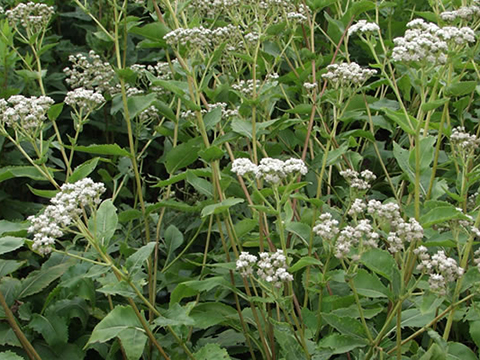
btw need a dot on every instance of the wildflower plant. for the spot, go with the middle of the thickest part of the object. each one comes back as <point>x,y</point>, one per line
<point>232,179</point>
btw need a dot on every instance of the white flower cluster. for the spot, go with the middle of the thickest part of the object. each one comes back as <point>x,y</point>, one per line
<point>2,10</point>
<point>226,113</point>
<point>327,228</point>
<point>388,212</point>
<point>199,37</point>
<point>148,114</point>
<point>87,100</point>
<point>31,16</point>
<point>476,258</point>
<point>360,181</point>
<point>358,207</point>
<point>24,114</point>
<point>427,42</point>
<point>345,74</point>
<point>464,140</point>
<point>299,15</point>
<point>271,267</point>
<point>362,26</point>
<point>91,73</point>
<point>362,234</point>
<point>464,13</point>
<point>442,269</point>
<point>65,207</point>
<point>245,87</point>
<point>245,263</point>
<point>271,170</point>
<point>310,86</point>
<point>212,8</point>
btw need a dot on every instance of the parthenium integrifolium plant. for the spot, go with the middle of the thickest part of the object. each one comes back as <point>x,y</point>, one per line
<point>363,246</point>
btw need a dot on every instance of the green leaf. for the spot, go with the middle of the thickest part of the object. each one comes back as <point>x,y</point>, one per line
<point>193,287</point>
<point>9,266</point>
<point>208,314</point>
<point>460,88</point>
<point>172,204</point>
<point>182,155</point>
<point>173,240</point>
<point>53,329</point>
<point>203,186</point>
<point>104,222</point>
<point>475,331</point>
<point>242,127</point>
<point>135,261</point>
<point>55,111</point>
<point>13,227</point>
<point>380,262</point>
<point>139,103</point>
<point>301,109</point>
<point>212,118</point>
<point>83,170</point>
<point>432,105</point>
<point>341,344</point>
<point>48,194</point>
<point>302,230</point>
<point>345,325</point>
<point>176,315</point>
<point>434,353</point>
<point>369,285</point>
<point>211,352</point>
<point>154,31</point>
<point>457,351</point>
<point>10,243</point>
<point>8,355</point>
<point>440,215</point>
<point>407,125</point>
<point>290,347</point>
<point>105,149</point>
<point>427,149</point>
<point>221,206</point>
<point>212,153</point>
<point>402,157</point>
<point>10,172</point>
<point>38,280</point>
<point>121,322</point>
<point>303,262</point>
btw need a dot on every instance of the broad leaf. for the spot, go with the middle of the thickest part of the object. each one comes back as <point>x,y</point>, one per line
<point>104,222</point>
<point>53,328</point>
<point>135,261</point>
<point>173,240</point>
<point>10,243</point>
<point>38,280</point>
<point>121,322</point>
<point>221,206</point>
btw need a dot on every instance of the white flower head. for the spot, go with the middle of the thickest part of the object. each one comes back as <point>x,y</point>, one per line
<point>362,26</point>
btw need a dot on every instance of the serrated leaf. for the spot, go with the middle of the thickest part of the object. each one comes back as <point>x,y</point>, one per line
<point>460,88</point>
<point>53,329</point>
<point>368,285</point>
<point>221,206</point>
<point>211,352</point>
<point>135,261</point>
<point>299,229</point>
<point>242,127</point>
<point>341,344</point>
<point>176,315</point>
<point>173,240</point>
<point>38,280</point>
<point>380,262</point>
<point>209,314</point>
<point>121,322</point>
<point>8,355</point>
<point>212,153</point>
<point>9,266</point>
<point>104,223</point>
<point>10,243</point>
<point>345,325</point>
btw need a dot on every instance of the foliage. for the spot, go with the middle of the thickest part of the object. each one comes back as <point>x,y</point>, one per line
<point>239,179</point>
